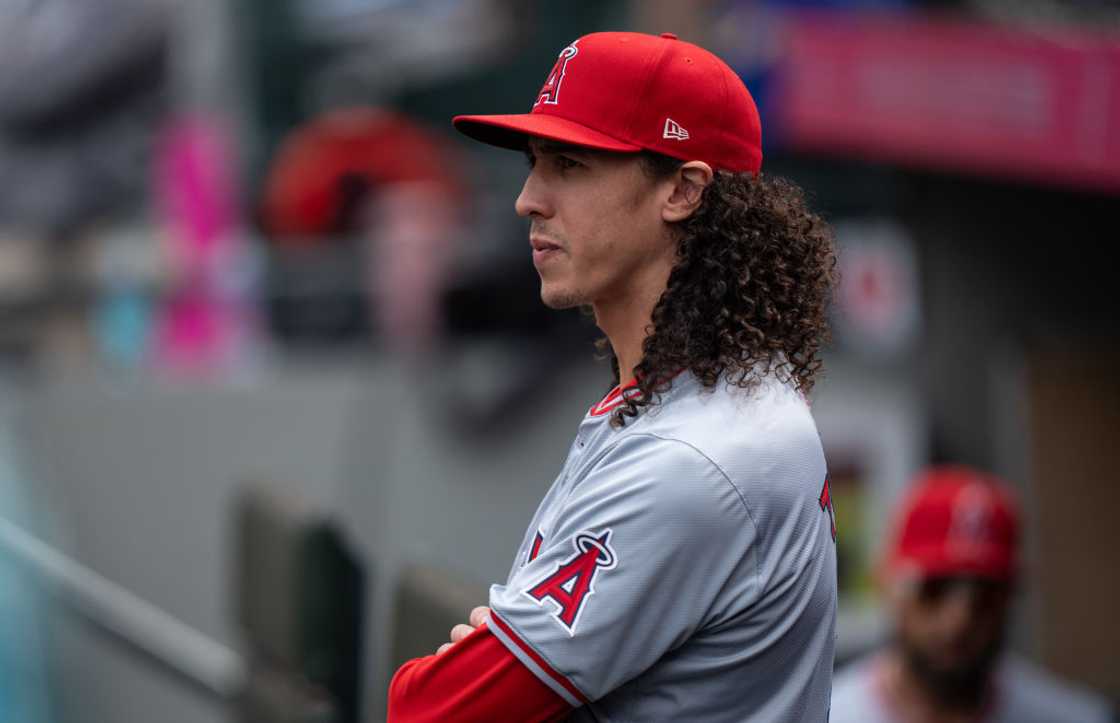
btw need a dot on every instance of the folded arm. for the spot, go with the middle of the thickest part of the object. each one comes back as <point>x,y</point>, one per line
<point>476,679</point>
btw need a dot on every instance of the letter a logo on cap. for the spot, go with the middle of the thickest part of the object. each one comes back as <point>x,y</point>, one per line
<point>674,131</point>
<point>550,91</point>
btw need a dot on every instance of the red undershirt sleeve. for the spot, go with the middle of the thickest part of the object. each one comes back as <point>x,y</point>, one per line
<point>477,679</point>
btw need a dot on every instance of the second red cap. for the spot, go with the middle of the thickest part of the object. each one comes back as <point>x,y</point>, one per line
<point>956,521</point>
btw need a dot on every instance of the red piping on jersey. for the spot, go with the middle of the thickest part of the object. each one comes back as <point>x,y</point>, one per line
<point>614,398</point>
<point>558,677</point>
<point>619,394</point>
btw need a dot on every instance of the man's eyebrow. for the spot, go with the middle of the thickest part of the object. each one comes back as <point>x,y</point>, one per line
<point>556,147</point>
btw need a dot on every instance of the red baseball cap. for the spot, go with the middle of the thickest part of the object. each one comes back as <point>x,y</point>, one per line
<point>628,92</point>
<point>956,521</point>
<point>303,191</point>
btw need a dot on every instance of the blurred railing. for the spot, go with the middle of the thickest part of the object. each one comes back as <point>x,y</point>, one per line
<point>299,601</point>
<point>129,620</point>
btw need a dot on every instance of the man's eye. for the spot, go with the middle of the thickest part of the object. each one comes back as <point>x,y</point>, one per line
<point>565,163</point>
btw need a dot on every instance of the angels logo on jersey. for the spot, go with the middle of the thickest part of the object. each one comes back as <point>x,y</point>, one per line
<point>825,501</point>
<point>573,581</point>
<point>550,92</point>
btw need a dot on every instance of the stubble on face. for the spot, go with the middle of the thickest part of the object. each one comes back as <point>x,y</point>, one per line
<point>563,299</point>
<point>962,686</point>
<point>952,664</point>
<point>554,295</point>
<point>576,289</point>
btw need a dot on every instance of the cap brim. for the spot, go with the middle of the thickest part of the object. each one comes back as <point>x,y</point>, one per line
<point>513,131</point>
<point>925,568</point>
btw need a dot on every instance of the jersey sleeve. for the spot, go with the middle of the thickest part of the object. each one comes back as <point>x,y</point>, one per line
<point>476,681</point>
<point>647,550</point>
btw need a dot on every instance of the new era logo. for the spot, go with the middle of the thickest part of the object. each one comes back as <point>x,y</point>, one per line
<point>674,130</point>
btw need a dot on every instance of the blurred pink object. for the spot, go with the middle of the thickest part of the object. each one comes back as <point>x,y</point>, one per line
<point>1002,101</point>
<point>195,188</point>
<point>206,317</point>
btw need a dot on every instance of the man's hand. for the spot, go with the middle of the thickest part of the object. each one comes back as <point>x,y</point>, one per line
<point>477,617</point>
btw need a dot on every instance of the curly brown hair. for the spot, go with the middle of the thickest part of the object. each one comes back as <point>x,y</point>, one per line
<point>748,295</point>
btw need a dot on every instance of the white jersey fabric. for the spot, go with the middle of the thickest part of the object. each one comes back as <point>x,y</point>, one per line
<point>683,567</point>
<point>1023,693</point>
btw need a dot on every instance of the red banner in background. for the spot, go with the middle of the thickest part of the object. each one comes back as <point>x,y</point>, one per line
<point>994,100</point>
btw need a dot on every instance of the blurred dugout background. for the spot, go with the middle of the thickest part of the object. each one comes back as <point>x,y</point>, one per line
<point>274,373</point>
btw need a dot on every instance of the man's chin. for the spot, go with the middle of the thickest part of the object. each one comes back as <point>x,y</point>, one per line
<point>961,683</point>
<point>560,298</point>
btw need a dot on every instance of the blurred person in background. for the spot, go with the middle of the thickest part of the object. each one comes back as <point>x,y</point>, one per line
<point>949,579</point>
<point>380,179</point>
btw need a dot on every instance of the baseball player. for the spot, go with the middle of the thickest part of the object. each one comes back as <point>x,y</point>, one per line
<point>949,575</point>
<point>682,566</point>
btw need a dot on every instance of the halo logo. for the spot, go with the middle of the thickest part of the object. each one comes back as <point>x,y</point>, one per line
<point>572,582</point>
<point>550,91</point>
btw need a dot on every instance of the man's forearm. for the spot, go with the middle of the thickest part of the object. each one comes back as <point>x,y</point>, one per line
<point>476,679</point>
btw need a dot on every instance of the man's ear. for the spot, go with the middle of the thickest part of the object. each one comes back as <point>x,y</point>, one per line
<point>690,180</point>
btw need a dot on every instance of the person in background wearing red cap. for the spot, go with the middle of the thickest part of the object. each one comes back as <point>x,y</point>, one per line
<point>683,565</point>
<point>949,577</point>
<point>370,174</point>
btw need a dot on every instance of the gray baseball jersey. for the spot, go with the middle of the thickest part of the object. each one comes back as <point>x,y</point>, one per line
<point>683,567</point>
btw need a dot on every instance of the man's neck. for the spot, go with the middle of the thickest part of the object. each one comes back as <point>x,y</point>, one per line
<point>626,323</point>
<point>625,314</point>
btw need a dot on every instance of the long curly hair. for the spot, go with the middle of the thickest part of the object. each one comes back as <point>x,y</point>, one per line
<point>748,294</point>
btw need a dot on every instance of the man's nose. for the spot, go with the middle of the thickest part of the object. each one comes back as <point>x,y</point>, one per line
<point>957,610</point>
<point>533,199</point>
